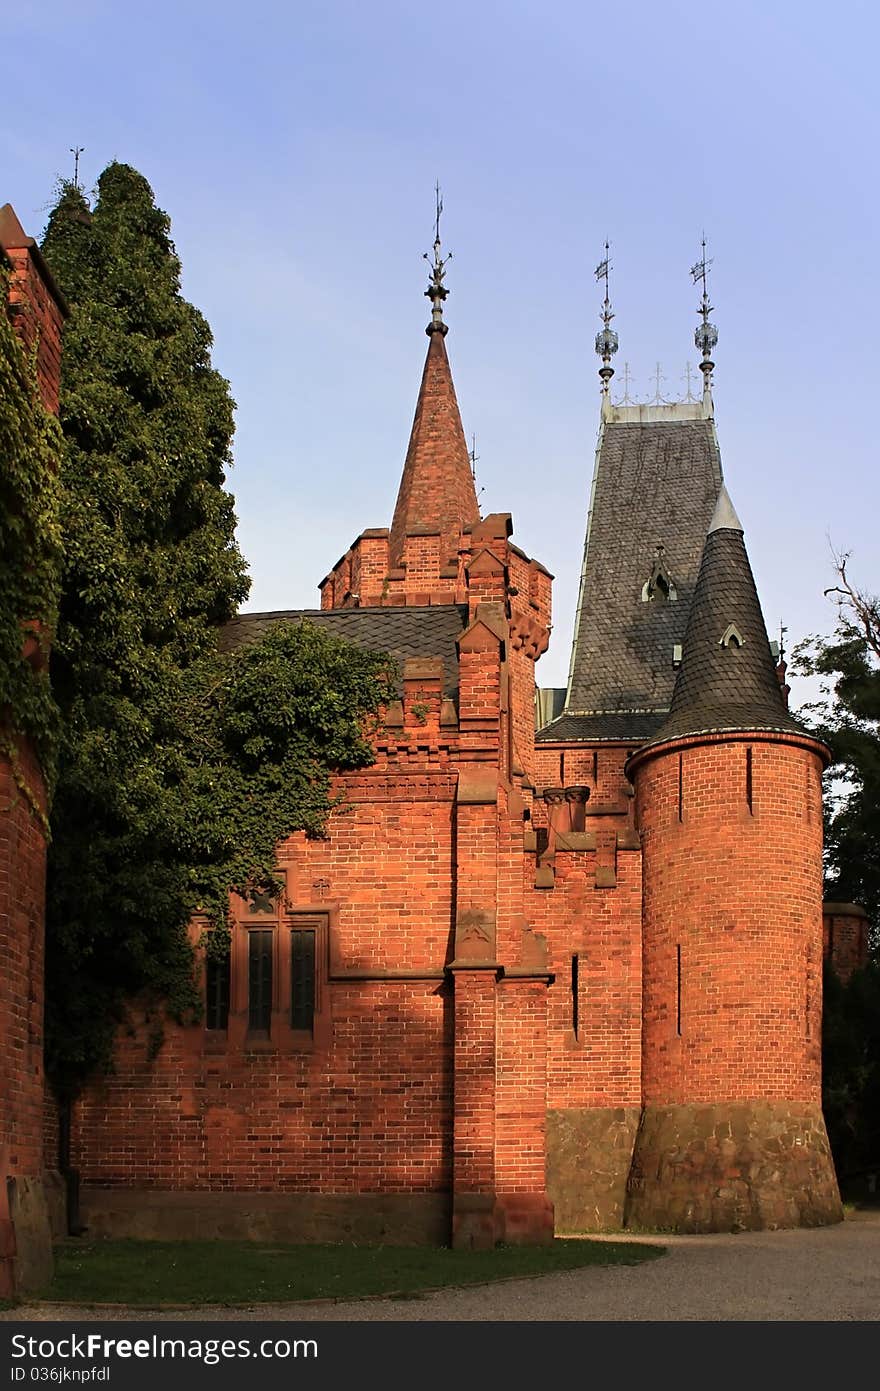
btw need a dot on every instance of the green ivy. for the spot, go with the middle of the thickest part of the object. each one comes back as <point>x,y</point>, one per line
<point>30,450</point>
<point>180,766</point>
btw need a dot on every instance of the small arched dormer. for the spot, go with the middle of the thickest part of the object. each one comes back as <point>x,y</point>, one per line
<point>659,586</point>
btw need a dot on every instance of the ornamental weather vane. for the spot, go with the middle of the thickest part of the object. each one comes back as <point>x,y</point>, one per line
<point>606,338</point>
<point>437,291</point>
<point>76,151</point>
<point>706,334</point>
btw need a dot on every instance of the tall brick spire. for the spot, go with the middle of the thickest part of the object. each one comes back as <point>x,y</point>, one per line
<point>437,493</point>
<point>437,490</point>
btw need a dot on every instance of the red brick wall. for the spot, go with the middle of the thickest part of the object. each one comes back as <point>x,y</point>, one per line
<point>371,1113</point>
<point>521,1087</point>
<point>369,1108</point>
<point>733,892</point>
<point>597,766</point>
<point>38,319</point>
<point>601,1065</point>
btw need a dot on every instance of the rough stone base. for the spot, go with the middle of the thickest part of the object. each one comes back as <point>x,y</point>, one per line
<point>741,1166</point>
<point>55,1191</point>
<point>589,1151</point>
<point>482,1220</point>
<point>26,1261</point>
<point>475,1222</point>
<point>398,1219</point>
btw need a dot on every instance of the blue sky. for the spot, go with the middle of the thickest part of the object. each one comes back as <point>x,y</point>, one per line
<point>296,147</point>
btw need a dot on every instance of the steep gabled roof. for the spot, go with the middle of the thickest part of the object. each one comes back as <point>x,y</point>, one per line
<point>437,492</point>
<point>657,478</point>
<point>413,631</point>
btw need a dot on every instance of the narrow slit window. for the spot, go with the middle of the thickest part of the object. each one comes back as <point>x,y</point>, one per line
<point>217,992</point>
<point>302,979</point>
<point>749,778</point>
<point>575,983</point>
<point>678,989</point>
<point>680,788</point>
<point>260,980</point>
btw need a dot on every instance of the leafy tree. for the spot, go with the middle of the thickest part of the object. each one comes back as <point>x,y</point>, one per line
<point>848,719</point>
<point>180,767</point>
<point>851,1071</point>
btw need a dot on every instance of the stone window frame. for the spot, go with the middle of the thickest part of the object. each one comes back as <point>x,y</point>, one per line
<point>281,918</point>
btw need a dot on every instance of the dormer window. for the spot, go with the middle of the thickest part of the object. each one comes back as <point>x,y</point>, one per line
<point>659,586</point>
<point>731,637</point>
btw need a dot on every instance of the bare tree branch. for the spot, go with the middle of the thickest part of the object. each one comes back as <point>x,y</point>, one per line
<point>857,606</point>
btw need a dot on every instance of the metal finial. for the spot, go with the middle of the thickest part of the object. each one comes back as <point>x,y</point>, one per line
<point>706,334</point>
<point>606,338</point>
<point>688,379</point>
<point>437,291</point>
<point>473,456</point>
<point>628,379</point>
<point>76,151</point>
<point>658,378</point>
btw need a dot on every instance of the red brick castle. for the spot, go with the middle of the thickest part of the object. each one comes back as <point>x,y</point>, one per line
<point>545,975</point>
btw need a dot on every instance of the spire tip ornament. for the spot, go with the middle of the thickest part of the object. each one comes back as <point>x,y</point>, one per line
<point>705,334</point>
<point>76,151</point>
<point>606,338</point>
<point>437,291</point>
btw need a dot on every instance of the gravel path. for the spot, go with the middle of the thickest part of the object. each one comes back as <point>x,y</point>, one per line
<point>829,1273</point>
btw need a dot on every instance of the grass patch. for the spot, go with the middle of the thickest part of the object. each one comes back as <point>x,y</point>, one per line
<point>237,1272</point>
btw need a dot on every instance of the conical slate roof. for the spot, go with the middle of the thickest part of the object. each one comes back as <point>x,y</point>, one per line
<point>437,490</point>
<point>727,679</point>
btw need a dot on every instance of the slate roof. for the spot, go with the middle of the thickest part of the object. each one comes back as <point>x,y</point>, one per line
<point>626,727</point>
<point>726,687</point>
<point>656,482</point>
<point>403,632</point>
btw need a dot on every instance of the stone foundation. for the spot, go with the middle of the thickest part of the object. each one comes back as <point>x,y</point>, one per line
<point>589,1151</point>
<point>741,1166</point>
<point>26,1234</point>
<point>475,1222</point>
<point>524,1219</point>
<point>399,1219</point>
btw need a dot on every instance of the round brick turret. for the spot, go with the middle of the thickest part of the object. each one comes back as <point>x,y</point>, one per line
<point>729,806</point>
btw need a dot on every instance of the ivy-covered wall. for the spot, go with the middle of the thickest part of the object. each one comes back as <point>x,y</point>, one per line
<point>30,451</point>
